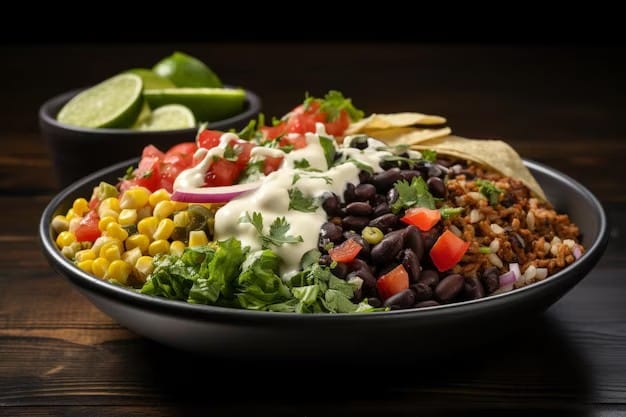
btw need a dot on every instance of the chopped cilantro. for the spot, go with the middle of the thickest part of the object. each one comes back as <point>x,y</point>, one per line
<point>489,190</point>
<point>429,155</point>
<point>298,202</point>
<point>301,164</point>
<point>333,103</point>
<point>413,194</point>
<point>278,230</point>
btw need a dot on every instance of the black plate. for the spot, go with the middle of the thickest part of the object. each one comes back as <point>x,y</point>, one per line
<point>243,333</point>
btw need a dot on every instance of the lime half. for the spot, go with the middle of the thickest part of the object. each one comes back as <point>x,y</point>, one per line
<point>151,79</point>
<point>169,117</point>
<point>115,102</point>
<point>207,104</point>
<point>186,71</point>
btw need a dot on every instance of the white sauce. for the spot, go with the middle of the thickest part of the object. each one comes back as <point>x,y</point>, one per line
<point>271,199</point>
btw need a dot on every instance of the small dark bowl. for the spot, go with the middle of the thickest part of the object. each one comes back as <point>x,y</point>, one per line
<point>77,152</point>
<point>420,333</point>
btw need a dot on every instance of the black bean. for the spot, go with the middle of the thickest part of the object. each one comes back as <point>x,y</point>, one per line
<point>436,187</point>
<point>422,291</point>
<point>332,232</point>
<point>325,260</point>
<point>359,208</point>
<point>359,142</point>
<point>369,281</point>
<point>473,289</point>
<point>365,177</point>
<point>423,167</point>
<point>340,270</point>
<point>414,241</point>
<point>388,248</point>
<point>380,209</point>
<point>374,302</point>
<point>392,195</point>
<point>429,277</point>
<point>348,194</point>
<point>385,180</point>
<point>356,223</point>
<point>411,264</point>
<point>427,303</point>
<point>364,192</point>
<point>403,299</point>
<point>430,237</point>
<point>490,279</point>
<point>449,287</point>
<point>385,269</point>
<point>409,174</point>
<point>434,171</point>
<point>331,204</point>
<point>386,222</point>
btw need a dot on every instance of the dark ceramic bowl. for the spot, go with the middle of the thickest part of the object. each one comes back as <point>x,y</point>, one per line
<point>426,332</point>
<point>77,152</point>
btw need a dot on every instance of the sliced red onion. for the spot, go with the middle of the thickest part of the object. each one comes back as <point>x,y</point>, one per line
<point>577,252</point>
<point>514,267</point>
<point>507,278</point>
<point>213,194</point>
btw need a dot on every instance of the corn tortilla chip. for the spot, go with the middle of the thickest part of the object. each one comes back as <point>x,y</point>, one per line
<point>387,121</point>
<point>407,135</point>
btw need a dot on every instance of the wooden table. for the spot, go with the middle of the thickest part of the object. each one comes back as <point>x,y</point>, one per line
<point>563,106</point>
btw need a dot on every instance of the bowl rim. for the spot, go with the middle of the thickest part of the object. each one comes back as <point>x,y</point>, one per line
<point>211,313</point>
<point>252,101</point>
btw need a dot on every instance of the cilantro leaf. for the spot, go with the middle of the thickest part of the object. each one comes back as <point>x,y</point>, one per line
<point>429,155</point>
<point>333,103</point>
<point>489,190</point>
<point>301,164</point>
<point>297,201</point>
<point>328,145</point>
<point>413,194</point>
<point>278,230</point>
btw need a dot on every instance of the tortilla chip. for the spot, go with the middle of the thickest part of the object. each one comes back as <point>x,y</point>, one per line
<point>388,121</point>
<point>407,135</point>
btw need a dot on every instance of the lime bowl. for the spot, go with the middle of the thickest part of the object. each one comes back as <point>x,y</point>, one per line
<point>78,151</point>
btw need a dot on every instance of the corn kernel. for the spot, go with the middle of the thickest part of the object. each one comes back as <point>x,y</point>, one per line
<point>80,206</point>
<point>127,217</point>
<point>158,246</point>
<point>112,203</point>
<point>180,205</point>
<point>106,212</point>
<point>65,239</point>
<point>198,238</point>
<point>158,196</point>
<point>86,265</point>
<point>110,252</point>
<point>99,267</point>
<point>119,271</point>
<point>140,241</point>
<point>163,209</point>
<point>116,231</point>
<point>177,247</point>
<point>71,214</point>
<point>145,211</point>
<point>135,198</point>
<point>60,224</point>
<point>181,219</point>
<point>148,226</point>
<point>85,255</point>
<point>68,252</point>
<point>164,229</point>
<point>104,222</point>
<point>102,240</point>
<point>74,223</point>
<point>143,268</point>
<point>131,256</point>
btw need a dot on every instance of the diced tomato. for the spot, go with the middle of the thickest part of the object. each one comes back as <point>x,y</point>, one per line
<point>273,132</point>
<point>94,202</point>
<point>345,252</point>
<point>392,282</point>
<point>271,164</point>
<point>448,251</point>
<point>152,151</point>
<point>298,141</point>
<point>209,138</point>
<point>303,118</point>
<point>181,154</point>
<point>87,230</point>
<point>222,172</point>
<point>147,175</point>
<point>339,125</point>
<point>244,149</point>
<point>421,217</point>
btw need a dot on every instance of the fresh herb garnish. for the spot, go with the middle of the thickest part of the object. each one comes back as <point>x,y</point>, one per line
<point>450,212</point>
<point>278,230</point>
<point>230,154</point>
<point>489,190</point>
<point>413,194</point>
<point>328,145</point>
<point>361,165</point>
<point>298,202</point>
<point>301,164</point>
<point>332,104</point>
<point>129,173</point>
<point>429,155</point>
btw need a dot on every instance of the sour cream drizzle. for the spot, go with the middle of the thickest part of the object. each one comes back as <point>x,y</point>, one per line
<point>272,200</point>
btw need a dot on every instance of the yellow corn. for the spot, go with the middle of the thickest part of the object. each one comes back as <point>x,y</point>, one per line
<point>143,268</point>
<point>99,267</point>
<point>158,196</point>
<point>68,252</point>
<point>60,224</point>
<point>140,241</point>
<point>104,222</point>
<point>181,219</point>
<point>127,217</point>
<point>112,203</point>
<point>164,229</point>
<point>179,206</point>
<point>107,212</point>
<point>135,198</point>
<point>131,256</point>
<point>177,247</point>
<point>158,246</point>
<point>148,226</point>
<point>71,214</point>
<point>85,255</point>
<point>197,238</point>
<point>102,240</point>
<point>74,223</point>
<point>65,239</point>
<point>119,271</point>
<point>145,211</point>
<point>80,206</point>
<point>86,265</point>
<point>116,231</point>
<point>111,252</point>
<point>163,209</point>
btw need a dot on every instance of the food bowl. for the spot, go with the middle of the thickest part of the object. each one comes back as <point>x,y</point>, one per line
<point>258,334</point>
<point>77,151</point>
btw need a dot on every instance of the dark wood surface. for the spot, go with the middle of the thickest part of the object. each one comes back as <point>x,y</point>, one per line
<point>560,105</point>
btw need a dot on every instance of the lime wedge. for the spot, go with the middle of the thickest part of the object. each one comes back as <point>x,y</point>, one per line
<point>186,71</point>
<point>207,104</point>
<point>169,117</point>
<point>115,102</point>
<point>144,116</point>
<point>151,79</point>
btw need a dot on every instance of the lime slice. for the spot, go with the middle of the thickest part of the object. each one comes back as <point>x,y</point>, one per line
<point>169,117</point>
<point>207,104</point>
<point>115,102</point>
<point>144,116</point>
<point>151,79</point>
<point>186,71</point>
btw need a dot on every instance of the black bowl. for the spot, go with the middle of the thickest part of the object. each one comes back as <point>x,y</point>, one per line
<point>428,331</point>
<point>77,152</point>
